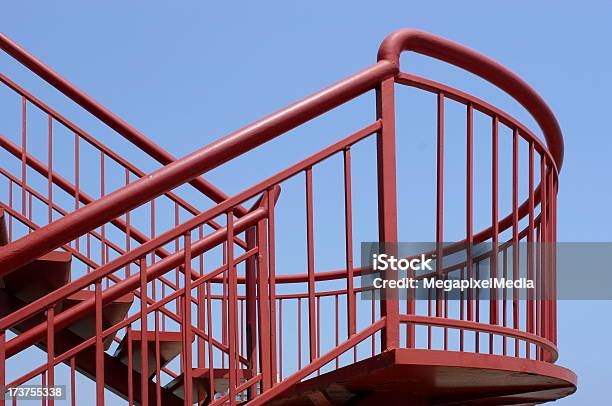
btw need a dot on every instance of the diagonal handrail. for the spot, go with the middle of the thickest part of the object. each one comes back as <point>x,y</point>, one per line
<point>84,198</point>
<point>102,210</point>
<point>105,115</point>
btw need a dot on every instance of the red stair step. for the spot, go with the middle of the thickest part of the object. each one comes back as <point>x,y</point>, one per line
<point>170,346</point>
<point>39,277</point>
<point>36,279</point>
<point>112,314</point>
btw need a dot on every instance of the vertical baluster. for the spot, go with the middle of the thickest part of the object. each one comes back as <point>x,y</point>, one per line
<point>387,202</point>
<point>103,227</point>
<point>337,329</point>
<point>209,331</point>
<point>372,318</point>
<point>504,299</point>
<point>73,381</point>
<point>50,352</point>
<point>241,329</point>
<point>224,305</point>
<point>477,335</point>
<point>77,190</point>
<point>272,272</point>
<point>299,332</point>
<point>538,270</point>
<point>515,235</point>
<point>128,238</point>
<point>312,328</point>
<point>550,253</point>
<point>232,311</point>
<point>187,333</point>
<point>99,345</point>
<point>469,197</point>
<point>429,314</point>
<point>200,309</point>
<point>10,218</point>
<point>88,249</point>
<point>176,271</point>
<point>157,361</point>
<point>24,148</point>
<point>130,368</point>
<point>493,306</point>
<point>318,312</point>
<point>76,172</point>
<point>553,253</point>
<point>50,168</point>
<point>30,214</point>
<point>144,374</point>
<point>2,366</point>
<point>251,305</point>
<point>461,311</point>
<point>348,238</point>
<point>264,304</point>
<point>154,234</point>
<point>280,338</point>
<point>544,248</point>
<point>530,310</point>
<point>440,203</point>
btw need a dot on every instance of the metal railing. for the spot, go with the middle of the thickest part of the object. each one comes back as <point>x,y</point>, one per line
<point>242,315</point>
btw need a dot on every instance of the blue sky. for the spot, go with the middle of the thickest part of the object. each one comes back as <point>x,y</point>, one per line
<point>188,72</point>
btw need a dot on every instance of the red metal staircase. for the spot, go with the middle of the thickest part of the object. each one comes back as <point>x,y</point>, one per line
<point>107,269</point>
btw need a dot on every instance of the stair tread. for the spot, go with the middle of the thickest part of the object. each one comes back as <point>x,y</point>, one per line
<point>170,346</point>
<point>112,313</point>
<point>39,277</point>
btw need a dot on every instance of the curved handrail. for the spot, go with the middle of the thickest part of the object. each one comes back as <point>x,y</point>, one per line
<point>463,57</point>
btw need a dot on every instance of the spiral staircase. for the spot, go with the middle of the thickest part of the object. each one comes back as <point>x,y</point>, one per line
<point>116,286</point>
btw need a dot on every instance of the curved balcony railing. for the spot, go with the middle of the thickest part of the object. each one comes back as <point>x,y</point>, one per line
<point>271,327</point>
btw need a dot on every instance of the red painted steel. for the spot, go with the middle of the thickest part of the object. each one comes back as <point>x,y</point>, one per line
<point>237,329</point>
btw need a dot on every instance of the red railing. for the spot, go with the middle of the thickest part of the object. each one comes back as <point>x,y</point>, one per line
<point>62,196</point>
<point>271,329</point>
